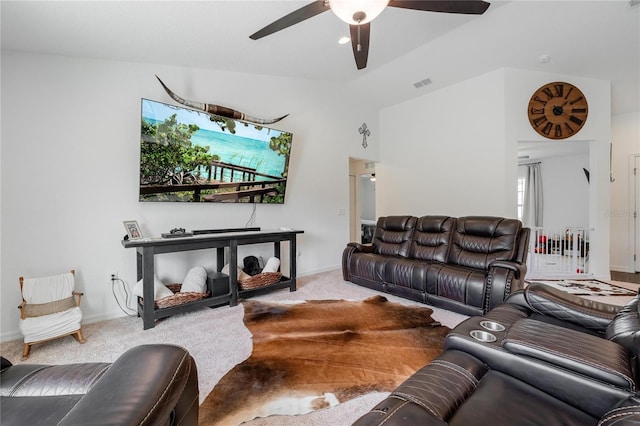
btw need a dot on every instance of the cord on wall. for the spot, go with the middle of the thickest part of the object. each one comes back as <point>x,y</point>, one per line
<point>125,288</point>
<point>252,218</point>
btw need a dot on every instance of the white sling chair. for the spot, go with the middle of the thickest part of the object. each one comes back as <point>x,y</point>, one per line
<point>50,309</point>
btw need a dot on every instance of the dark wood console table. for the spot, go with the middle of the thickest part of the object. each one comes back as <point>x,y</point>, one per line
<point>147,248</point>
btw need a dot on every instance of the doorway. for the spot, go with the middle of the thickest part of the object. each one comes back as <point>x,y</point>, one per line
<point>362,217</point>
<point>560,245</point>
<point>367,207</point>
<point>635,188</point>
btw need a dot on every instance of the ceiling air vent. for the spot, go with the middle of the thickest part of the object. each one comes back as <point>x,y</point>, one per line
<point>419,84</point>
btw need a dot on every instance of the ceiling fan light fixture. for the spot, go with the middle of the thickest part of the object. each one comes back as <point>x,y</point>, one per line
<point>357,12</point>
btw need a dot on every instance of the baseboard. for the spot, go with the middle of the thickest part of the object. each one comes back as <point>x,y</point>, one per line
<point>9,336</point>
<point>621,269</point>
<point>90,319</point>
<point>320,271</point>
<point>86,319</point>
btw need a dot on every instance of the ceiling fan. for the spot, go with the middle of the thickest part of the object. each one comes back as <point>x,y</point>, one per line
<point>359,14</point>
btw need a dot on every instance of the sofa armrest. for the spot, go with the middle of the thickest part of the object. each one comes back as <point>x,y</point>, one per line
<point>364,248</point>
<point>554,303</point>
<point>626,412</point>
<point>571,350</point>
<point>518,268</point>
<point>431,395</point>
<point>4,363</point>
<point>148,384</point>
<point>503,279</point>
<point>350,249</point>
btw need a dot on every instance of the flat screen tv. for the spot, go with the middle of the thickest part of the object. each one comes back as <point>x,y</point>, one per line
<point>192,156</point>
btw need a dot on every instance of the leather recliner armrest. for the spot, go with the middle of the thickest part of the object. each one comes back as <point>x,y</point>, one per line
<point>505,277</point>
<point>349,250</point>
<point>364,248</point>
<point>142,387</point>
<point>626,412</point>
<point>5,363</point>
<point>518,268</point>
<point>548,301</point>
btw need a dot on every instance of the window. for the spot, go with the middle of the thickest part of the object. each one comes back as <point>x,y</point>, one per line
<point>521,181</point>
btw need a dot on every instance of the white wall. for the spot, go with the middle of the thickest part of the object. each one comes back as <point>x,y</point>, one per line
<point>70,153</point>
<point>625,143</point>
<point>566,191</point>
<point>444,153</point>
<point>454,151</point>
<point>367,199</point>
<point>70,164</point>
<point>520,84</point>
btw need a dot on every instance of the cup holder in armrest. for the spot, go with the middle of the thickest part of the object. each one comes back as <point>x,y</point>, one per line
<point>492,326</point>
<point>483,336</point>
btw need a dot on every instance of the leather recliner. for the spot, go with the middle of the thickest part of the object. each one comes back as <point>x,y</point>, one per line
<point>147,385</point>
<point>545,357</point>
<point>459,389</point>
<point>467,265</point>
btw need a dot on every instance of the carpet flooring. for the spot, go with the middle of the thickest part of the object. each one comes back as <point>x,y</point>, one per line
<point>316,354</point>
<point>221,328</point>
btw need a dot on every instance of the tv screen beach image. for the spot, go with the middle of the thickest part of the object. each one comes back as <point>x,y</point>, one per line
<point>192,156</point>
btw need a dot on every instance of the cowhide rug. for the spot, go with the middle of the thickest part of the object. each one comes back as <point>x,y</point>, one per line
<point>317,354</point>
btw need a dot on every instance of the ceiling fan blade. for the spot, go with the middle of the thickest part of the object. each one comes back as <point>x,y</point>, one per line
<point>471,7</point>
<point>297,16</point>
<point>360,43</point>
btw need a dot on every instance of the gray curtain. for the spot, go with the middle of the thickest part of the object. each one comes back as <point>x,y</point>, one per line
<point>532,211</point>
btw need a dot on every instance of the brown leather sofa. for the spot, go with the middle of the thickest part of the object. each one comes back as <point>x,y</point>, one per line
<point>468,264</point>
<point>543,358</point>
<point>147,385</point>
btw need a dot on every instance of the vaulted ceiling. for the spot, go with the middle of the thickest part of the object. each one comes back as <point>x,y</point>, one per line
<point>598,39</point>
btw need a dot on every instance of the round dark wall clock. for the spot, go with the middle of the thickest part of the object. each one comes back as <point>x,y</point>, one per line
<point>558,110</point>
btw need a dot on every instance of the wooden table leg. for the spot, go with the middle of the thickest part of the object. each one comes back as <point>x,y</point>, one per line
<point>233,272</point>
<point>292,262</point>
<point>148,278</point>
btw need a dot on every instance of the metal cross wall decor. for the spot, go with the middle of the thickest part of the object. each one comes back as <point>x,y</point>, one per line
<point>364,131</point>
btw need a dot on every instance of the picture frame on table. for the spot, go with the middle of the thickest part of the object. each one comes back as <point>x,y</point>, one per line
<point>133,229</point>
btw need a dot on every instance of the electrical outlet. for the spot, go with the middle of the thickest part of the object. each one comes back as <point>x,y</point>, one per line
<point>113,277</point>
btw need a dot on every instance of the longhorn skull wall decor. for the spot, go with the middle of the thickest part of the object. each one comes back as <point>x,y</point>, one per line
<point>219,110</point>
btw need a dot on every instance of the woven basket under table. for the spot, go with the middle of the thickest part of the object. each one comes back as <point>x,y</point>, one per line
<point>179,298</point>
<point>260,280</point>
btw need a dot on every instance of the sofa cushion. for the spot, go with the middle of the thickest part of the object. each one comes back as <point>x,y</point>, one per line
<point>432,238</point>
<point>459,284</point>
<point>478,241</point>
<point>508,401</point>
<point>369,266</point>
<point>407,273</point>
<point>393,234</point>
